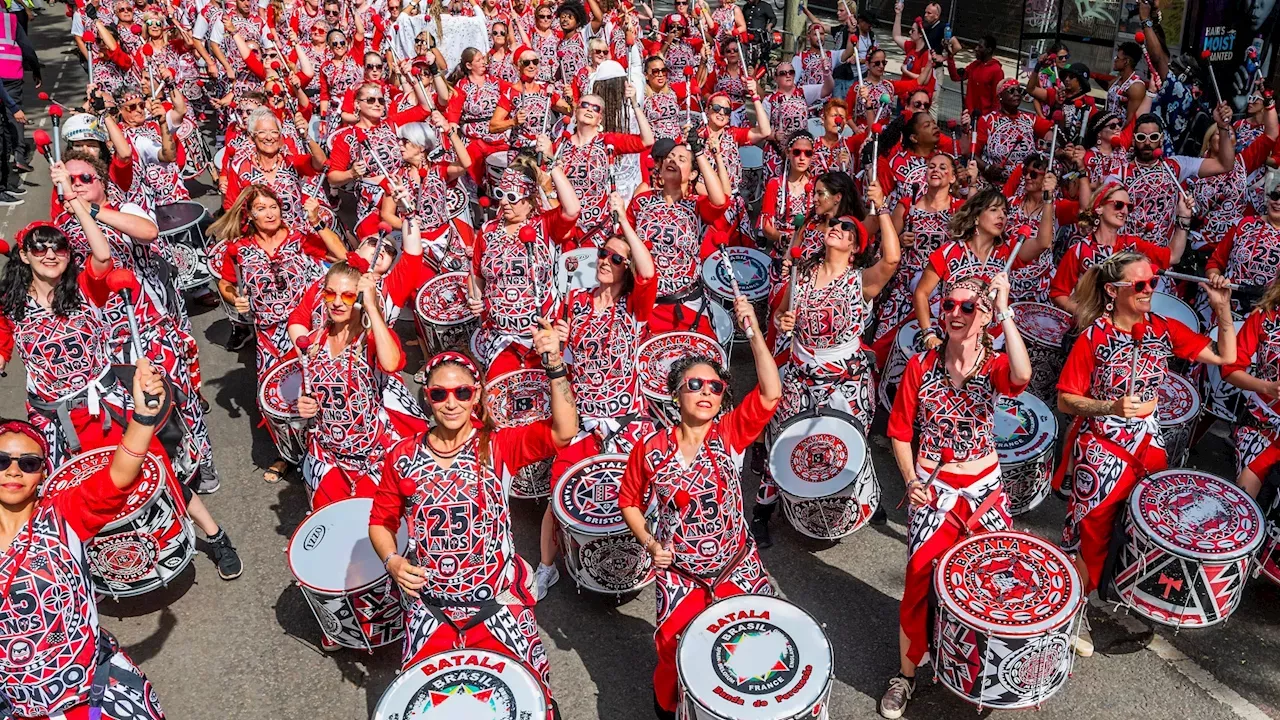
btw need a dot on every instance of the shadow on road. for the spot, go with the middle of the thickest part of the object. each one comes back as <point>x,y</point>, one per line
<point>159,599</point>
<point>141,652</point>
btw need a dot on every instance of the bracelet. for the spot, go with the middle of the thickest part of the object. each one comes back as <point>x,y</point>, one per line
<point>146,420</point>
<point>557,372</point>
<point>1183,223</point>
<point>1005,315</point>
<point>122,448</point>
<point>388,560</point>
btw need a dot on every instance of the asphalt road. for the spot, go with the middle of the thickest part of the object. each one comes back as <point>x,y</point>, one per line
<point>249,648</point>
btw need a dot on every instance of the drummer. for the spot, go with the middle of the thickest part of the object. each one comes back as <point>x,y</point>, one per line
<point>41,547</point>
<point>694,470</point>
<point>1247,255</point>
<point>1108,213</point>
<point>953,480</point>
<point>1116,440</point>
<point>825,320</point>
<point>463,582</point>
<point>513,263</point>
<point>1257,371</point>
<point>785,198</point>
<point>600,330</point>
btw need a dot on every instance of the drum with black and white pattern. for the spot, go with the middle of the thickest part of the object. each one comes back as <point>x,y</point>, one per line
<point>654,359</point>
<point>750,269</point>
<point>1177,410</point>
<point>516,398</point>
<point>600,552</point>
<point>905,346</point>
<point>278,399</point>
<point>440,309</point>
<point>1044,328</point>
<point>1026,439</point>
<point>822,466</point>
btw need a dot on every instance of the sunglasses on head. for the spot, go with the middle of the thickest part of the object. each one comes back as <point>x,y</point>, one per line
<point>348,298</point>
<point>694,385</point>
<point>1154,137</point>
<point>1139,286</point>
<point>613,257</point>
<point>967,307</point>
<point>27,462</point>
<point>584,105</point>
<point>531,62</point>
<point>719,109</point>
<point>437,394</point>
<point>801,152</point>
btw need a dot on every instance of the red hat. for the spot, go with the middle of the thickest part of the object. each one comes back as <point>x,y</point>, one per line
<point>1006,84</point>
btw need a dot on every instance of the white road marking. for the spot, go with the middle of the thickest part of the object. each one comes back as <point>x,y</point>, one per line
<point>1187,667</point>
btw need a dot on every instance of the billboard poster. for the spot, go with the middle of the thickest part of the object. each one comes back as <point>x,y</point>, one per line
<point>1227,29</point>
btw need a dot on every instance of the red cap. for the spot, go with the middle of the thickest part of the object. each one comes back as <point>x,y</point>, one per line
<point>121,279</point>
<point>1139,37</point>
<point>528,234</point>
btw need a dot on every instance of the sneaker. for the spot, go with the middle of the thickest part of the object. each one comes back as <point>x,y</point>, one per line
<point>760,531</point>
<point>7,199</point>
<point>897,696</point>
<point>879,517</point>
<point>240,337</point>
<point>1083,642</point>
<point>224,556</point>
<point>543,578</point>
<point>23,166</point>
<point>15,190</point>
<point>207,482</point>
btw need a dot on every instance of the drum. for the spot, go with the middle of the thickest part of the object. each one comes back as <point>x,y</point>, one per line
<point>1221,399</point>
<point>752,186</point>
<point>459,206</point>
<point>600,552</point>
<point>465,684</point>
<point>278,399</point>
<point>906,346</point>
<point>1269,558</point>
<point>214,260</point>
<point>519,398</point>
<point>754,657</point>
<point>824,472</point>
<point>751,269</point>
<point>723,324</point>
<point>150,541</point>
<point>654,359</point>
<point>1044,329</point>
<point>1190,540</point>
<point>440,311</point>
<point>576,270</point>
<point>1026,439</point>
<point>1177,409</point>
<point>1008,608</point>
<point>182,238</point>
<point>353,598</point>
<point>1174,309</point>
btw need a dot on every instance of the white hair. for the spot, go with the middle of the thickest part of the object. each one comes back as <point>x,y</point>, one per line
<point>258,115</point>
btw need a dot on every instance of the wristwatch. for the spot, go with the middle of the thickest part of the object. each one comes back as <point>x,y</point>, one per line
<point>1147,23</point>
<point>94,209</point>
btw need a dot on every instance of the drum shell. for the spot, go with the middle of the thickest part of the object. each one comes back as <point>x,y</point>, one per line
<point>1027,460</point>
<point>896,364</point>
<point>361,619</point>
<point>1027,482</point>
<point>1269,557</point>
<point>690,709</point>
<point>160,530</point>
<point>1048,656</point>
<point>1048,354</point>
<point>607,563</point>
<point>290,430</point>
<point>1177,431</point>
<point>1174,308</point>
<point>723,294</point>
<point>215,254</point>
<point>467,669</point>
<point>662,409</point>
<point>839,514</point>
<point>439,335</point>
<point>186,244</point>
<point>752,186</point>
<point>1221,399</point>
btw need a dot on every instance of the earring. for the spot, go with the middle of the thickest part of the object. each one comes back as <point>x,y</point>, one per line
<point>1110,306</point>
<point>675,400</point>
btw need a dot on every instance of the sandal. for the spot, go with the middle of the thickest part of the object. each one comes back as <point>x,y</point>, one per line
<point>276,472</point>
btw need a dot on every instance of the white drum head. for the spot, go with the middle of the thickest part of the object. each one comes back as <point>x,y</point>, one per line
<point>330,552</point>
<point>1025,426</point>
<point>750,268</point>
<point>816,457</point>
<point>752,157</point>
<point>907,338</point>
<point>280,389</point>
<point>722,322</point>
<point>465,684</point>
<point>1178,400</point>
<point>586,498</point>
<point>1173,308</point>
<point>762,651</point>
<point>656,355</point>
<point>576,270</point>
<point>1045,324</point>
<point>442,300</point>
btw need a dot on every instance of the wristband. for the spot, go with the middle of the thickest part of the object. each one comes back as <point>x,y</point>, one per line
<point>146,420</point>
<point>122,448</point>
<point>1005,315</point>
<point>1183,223</point>
<point>388,561</point>
<point>94,209</point>
<point>557,372</point>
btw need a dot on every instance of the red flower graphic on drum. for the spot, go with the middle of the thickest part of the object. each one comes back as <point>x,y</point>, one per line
<point>819,458</point>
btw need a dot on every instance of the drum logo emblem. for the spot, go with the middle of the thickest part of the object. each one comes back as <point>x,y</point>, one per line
<point>754,657</point>
<point>618,563</point>
<point>467,692</point>
<point>1200,512</point>
<point>312,541</point>
<point>1007,579</point>
<point>819,458</point>
<point>126,557</point>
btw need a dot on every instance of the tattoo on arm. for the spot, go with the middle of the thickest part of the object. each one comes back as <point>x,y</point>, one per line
<point>1088,407</point>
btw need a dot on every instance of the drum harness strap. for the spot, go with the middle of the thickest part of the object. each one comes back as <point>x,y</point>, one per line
<point>484,609</point>
<point>709,583</point>
<point>1118,535</point>
<point>694,292</point>
<point>59,411</point>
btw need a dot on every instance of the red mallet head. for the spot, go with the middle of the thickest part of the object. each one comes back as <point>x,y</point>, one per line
<point>136,29</point>
<point>199,83</point>
<point>70,11</point>
<point>1139,329</point>
<point>952,124</point>
<point>1251,53</point>
<point>424,171</point>
<point>528,234</point>
<point>877,128</point>
<point>920,21</point>
<point>121,280</point>
<point>148,50</point>
<point>682,498</point>
<point>948,456</point>
<point>303,343</point>
<point>1139,37</point>
<point>384,227</point>
<point>42,139</point>
<point>55,111</point>
<point>1204,55</point>
<point>44,96</point>
<point>167,106</point>
<point>795,253</point>
<point>275,65</point>
<point>1058,116</point>
<point>1158,152</point>
<point>1079,103</point>
<point>5,247</point>
<point>88,37</point>
<point>485,201</point>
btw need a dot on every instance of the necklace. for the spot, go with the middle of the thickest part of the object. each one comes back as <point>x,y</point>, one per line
<point>446,453</point>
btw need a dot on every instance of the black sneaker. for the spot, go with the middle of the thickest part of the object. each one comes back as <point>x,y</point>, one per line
<point>208,482</point>
<point>224,556</point>
<point>23,166</point>
<point>879,517</point>
<point>760,515</point>
<point>240,337</point>
<point>7,199</point>
<point>757,460</point>
<point>15,190</point>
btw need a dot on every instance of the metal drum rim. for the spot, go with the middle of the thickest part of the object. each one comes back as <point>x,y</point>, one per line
<point>120,521</point>
<point>275,369</point>
<point>417,304</point>
<point>562,515</point>
<point>644,389</point>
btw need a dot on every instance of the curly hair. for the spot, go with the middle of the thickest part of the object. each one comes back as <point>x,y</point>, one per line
<point>15,281</point>
<point>678,368</point>
<point>964,223</point>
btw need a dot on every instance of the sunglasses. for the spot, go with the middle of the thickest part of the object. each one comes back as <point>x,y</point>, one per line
<point>1274,195</point>
<point>844,225</point>
<point>719,109</point>
<point>437,394</point>
<point>967,307</point>
<point>784,73</point>
<point>421,42</point>
<point>584,105</point>
<point>373,66</point>
<point>921,105</point>
<point>694,385</point>
<point>376,99</point>
<point>1154,137</point>
<point>511,196</point>
<point>1119,205</point>
<point>1035,174</point>
<point>348,298</point>
<point>27,463</point>
<point>153,23</point>
<point>801,152</point>
<point>42,249</point>
<point>338,43</point>
<point>613,257</point>
<point>530,62</point>
<point>1139,286</point>
<point>599,52</point>
<point>545,17</point>
<point>498,33</point>
<point>1112,126</point>
<point>878,63</point>
<point>130,107</point>
<point>658,71</point>
<point>332,13</point>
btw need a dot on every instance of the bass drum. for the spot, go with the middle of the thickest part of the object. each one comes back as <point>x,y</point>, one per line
<point>823,470</point>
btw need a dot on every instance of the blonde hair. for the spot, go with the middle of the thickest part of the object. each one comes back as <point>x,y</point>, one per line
<point>1090,294</point>
<point>1270,299</point>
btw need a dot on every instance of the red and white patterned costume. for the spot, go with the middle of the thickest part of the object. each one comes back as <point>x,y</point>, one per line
<point>51,646</point>
<point>930,228</point>
<point>477,588</point>
<point>1155,195</point>
<point>472,107</point>
<point>1118,97</point>
<point>448,241</point>
<point>1108,454</point>
<point>355,143</point>
<point>1030,282</point>
<point>1221,199</point>
<point>700,521</point>
<point>788,114</point>
<point>1087,253</point>
<point>675,232</point>
<point>666,112</point>
<point>537,100</point>
<point>588,168</point>
<point>1258,353</point>
<point>1249,254</point>
<point>961,421</point>
<point>1005,139</point>
<point>774,207</point>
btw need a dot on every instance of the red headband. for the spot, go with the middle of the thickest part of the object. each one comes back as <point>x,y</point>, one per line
<point>26,428</point>
<point>357,262</point>
<point>1109,187</point>
<point>454,357</point>
<point>22,234</point>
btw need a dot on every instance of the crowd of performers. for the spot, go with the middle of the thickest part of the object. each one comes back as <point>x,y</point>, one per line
<point>345,131</point>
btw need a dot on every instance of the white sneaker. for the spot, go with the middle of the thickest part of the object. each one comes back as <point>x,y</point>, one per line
<point>1083,642</point>
<point>543,578</point>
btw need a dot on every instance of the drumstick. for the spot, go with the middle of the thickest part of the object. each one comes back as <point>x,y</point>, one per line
<point>1053,147</point>
<point>303,343</point>
<point>1139,329</point>
<point>1208,66</point>
<point>529,236</point>
<point>795,258</point>
<point>948,455</point>
<point>126,283</point>
<point>1159,153</point>
<point>749,326</point>
<point>1084,124</point>
<point>1198,279</point>
<point>1023,233</point>
<point>613,185</point>
<point>786,171</point>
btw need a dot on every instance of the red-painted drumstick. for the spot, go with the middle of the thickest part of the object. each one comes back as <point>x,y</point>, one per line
<point>749,325</point>
<point>795,253</point>
<point>947,456</point>
<point>123,281</point>
<point>303,343</point>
